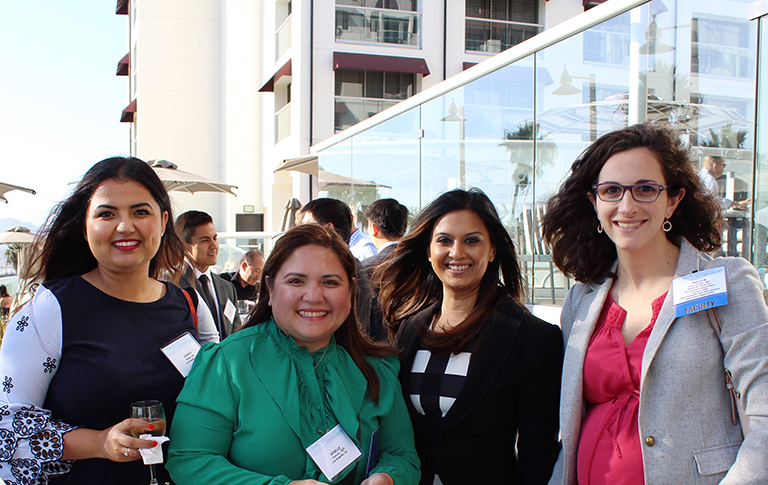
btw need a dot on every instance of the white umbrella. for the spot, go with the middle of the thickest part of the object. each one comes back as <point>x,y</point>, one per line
<point>16,235</point>
<point>4,187</point>
<point>611,114</point>
<point>175,179</point>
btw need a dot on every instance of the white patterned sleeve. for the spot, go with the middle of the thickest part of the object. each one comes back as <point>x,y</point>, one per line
<point>31,442</point>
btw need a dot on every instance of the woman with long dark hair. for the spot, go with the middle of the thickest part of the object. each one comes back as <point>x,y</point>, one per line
<point>644,395</point>
<point>480,374</point>
<point>295,384</point>
<point>90,341</point>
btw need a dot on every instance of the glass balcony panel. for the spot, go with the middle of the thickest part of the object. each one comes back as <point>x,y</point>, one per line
<point>283,38</point>
<point>378,25</point>
<point>283,122</point>
<point>350,111</point>
<point>495,35</point>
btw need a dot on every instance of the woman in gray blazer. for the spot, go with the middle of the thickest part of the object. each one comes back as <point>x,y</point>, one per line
<point>644,397</point>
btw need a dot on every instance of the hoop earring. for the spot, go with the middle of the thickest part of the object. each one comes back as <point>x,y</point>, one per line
<point>599,227</point>
<point>667,226</point>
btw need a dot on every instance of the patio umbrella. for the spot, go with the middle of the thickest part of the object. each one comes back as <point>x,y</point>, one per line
<point>175,179</point>
<point>4,187</point>
<point>611,114</point>
<point>16,235</point>
<point>329,179</point>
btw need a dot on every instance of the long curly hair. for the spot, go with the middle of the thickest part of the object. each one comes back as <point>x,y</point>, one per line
<point>348,335</point>
<point>570,223</point>
<point>60,250</point>
<point>408,283</point>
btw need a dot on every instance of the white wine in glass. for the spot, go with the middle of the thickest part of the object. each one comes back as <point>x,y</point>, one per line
<point>153,413</point>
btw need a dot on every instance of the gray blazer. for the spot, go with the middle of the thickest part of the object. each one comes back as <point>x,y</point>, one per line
<point>225,291</point>
<point>684,404</point>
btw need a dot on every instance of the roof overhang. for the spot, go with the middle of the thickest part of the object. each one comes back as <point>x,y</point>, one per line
<point>269,86</point>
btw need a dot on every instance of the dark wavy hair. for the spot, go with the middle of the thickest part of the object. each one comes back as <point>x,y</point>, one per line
<point>326,210</point>
<point>349,335</point>
<point>408,283</point>
<point>570,223</point>
<point>61,250</point>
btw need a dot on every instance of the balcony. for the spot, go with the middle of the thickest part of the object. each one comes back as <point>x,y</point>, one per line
<point>357,24</point>
<point>350,111</point>
<point>494,36</point>
<point>283,122</point>
<point>283,38</point>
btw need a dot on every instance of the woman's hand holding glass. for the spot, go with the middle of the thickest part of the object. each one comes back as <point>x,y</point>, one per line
<point>119,445</point>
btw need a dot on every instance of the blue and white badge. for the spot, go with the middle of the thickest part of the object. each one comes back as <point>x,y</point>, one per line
<point>699,291</point>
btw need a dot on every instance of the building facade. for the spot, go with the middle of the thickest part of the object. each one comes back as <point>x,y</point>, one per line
<point>232,89</point>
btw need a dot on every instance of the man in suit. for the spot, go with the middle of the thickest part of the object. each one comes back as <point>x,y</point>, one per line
<point>387,222</point>
<point>246,278</point>
<point>201,245</point>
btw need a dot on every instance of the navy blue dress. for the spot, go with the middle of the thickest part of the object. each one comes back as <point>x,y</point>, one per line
<point>111,358</point>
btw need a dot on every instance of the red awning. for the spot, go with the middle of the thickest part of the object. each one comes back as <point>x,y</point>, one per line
<point>591,3</point>
<point>128,112</point>
<point>122,7</point>
<point>269,86</point>
<point>371,62</point>
<point>123,67</point>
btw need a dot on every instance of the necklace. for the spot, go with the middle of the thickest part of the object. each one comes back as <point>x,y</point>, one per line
<point>321,357</point>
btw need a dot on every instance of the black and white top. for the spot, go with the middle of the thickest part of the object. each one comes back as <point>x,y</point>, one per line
<point>81,356</point>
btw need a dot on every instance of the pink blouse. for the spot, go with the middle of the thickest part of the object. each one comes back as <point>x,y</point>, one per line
<point>609,446</point>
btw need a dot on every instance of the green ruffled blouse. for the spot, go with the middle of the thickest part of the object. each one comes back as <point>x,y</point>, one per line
<point>253,403</point>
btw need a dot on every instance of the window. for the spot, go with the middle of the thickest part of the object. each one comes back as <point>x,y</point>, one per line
<point>497,25</point>
<point>362,94</point>
<point>382,21</point>
<point>608,42</point>
<point>722,48</point>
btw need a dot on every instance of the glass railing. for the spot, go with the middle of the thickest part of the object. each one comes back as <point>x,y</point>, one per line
<point>386,26</point>
<point>494,36</point>
<point>513,125</point>
<point>283,122</point>
<point>283,38</point>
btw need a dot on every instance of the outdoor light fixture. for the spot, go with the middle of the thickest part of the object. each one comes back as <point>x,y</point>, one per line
<point>653,44</point>
<point>456,114</point>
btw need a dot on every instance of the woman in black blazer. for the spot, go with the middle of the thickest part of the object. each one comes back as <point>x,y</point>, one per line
<point>481,375</point>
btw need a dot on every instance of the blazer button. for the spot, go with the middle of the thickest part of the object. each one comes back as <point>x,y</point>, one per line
<point>650,441</point>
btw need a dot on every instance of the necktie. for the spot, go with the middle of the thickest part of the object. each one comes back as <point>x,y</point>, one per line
<point>203,279</point>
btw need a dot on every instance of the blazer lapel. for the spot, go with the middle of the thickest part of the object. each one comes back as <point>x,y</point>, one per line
<point>687,263</point>
<point>407,340</point>
<point>487,359</point>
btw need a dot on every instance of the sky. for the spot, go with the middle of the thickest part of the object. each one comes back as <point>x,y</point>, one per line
<point>60,100</point>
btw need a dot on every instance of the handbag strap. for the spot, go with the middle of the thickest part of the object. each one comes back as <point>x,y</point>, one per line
<point>191,306</point>
<point>714,320</point>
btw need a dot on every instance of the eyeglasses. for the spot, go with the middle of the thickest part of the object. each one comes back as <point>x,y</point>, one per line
<point>613,192</point>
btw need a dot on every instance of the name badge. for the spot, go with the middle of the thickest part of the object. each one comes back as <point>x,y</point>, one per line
<point>699,291</point>
<point>334,452</point>
<point>182,352</point>
<point>229,311</point>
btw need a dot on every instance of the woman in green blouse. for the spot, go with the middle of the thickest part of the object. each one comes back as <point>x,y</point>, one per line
<point>299,374</point>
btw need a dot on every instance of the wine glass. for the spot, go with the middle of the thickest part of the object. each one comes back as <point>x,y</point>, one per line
<point>153,413</point>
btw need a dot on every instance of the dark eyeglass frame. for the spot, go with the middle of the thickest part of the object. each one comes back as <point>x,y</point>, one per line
<point>631,188</point>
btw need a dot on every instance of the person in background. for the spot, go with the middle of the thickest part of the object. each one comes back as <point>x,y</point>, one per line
<point>90,341</point>
<point>5,305</point>
<point>644,397</point>
<point>246,278</point>
<point>255,403</point>
<point>387,223</point>
<point>361,245</point>
<point>480,374</point>
<point>201,244</point>
<point>712,168</point>
<point>335,214</point>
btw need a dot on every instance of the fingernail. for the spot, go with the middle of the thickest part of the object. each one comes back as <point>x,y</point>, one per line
<point>151,426</point>
<point>154,443</point>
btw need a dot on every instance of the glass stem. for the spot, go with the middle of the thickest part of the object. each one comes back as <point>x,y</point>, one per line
<point>152,479</point>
